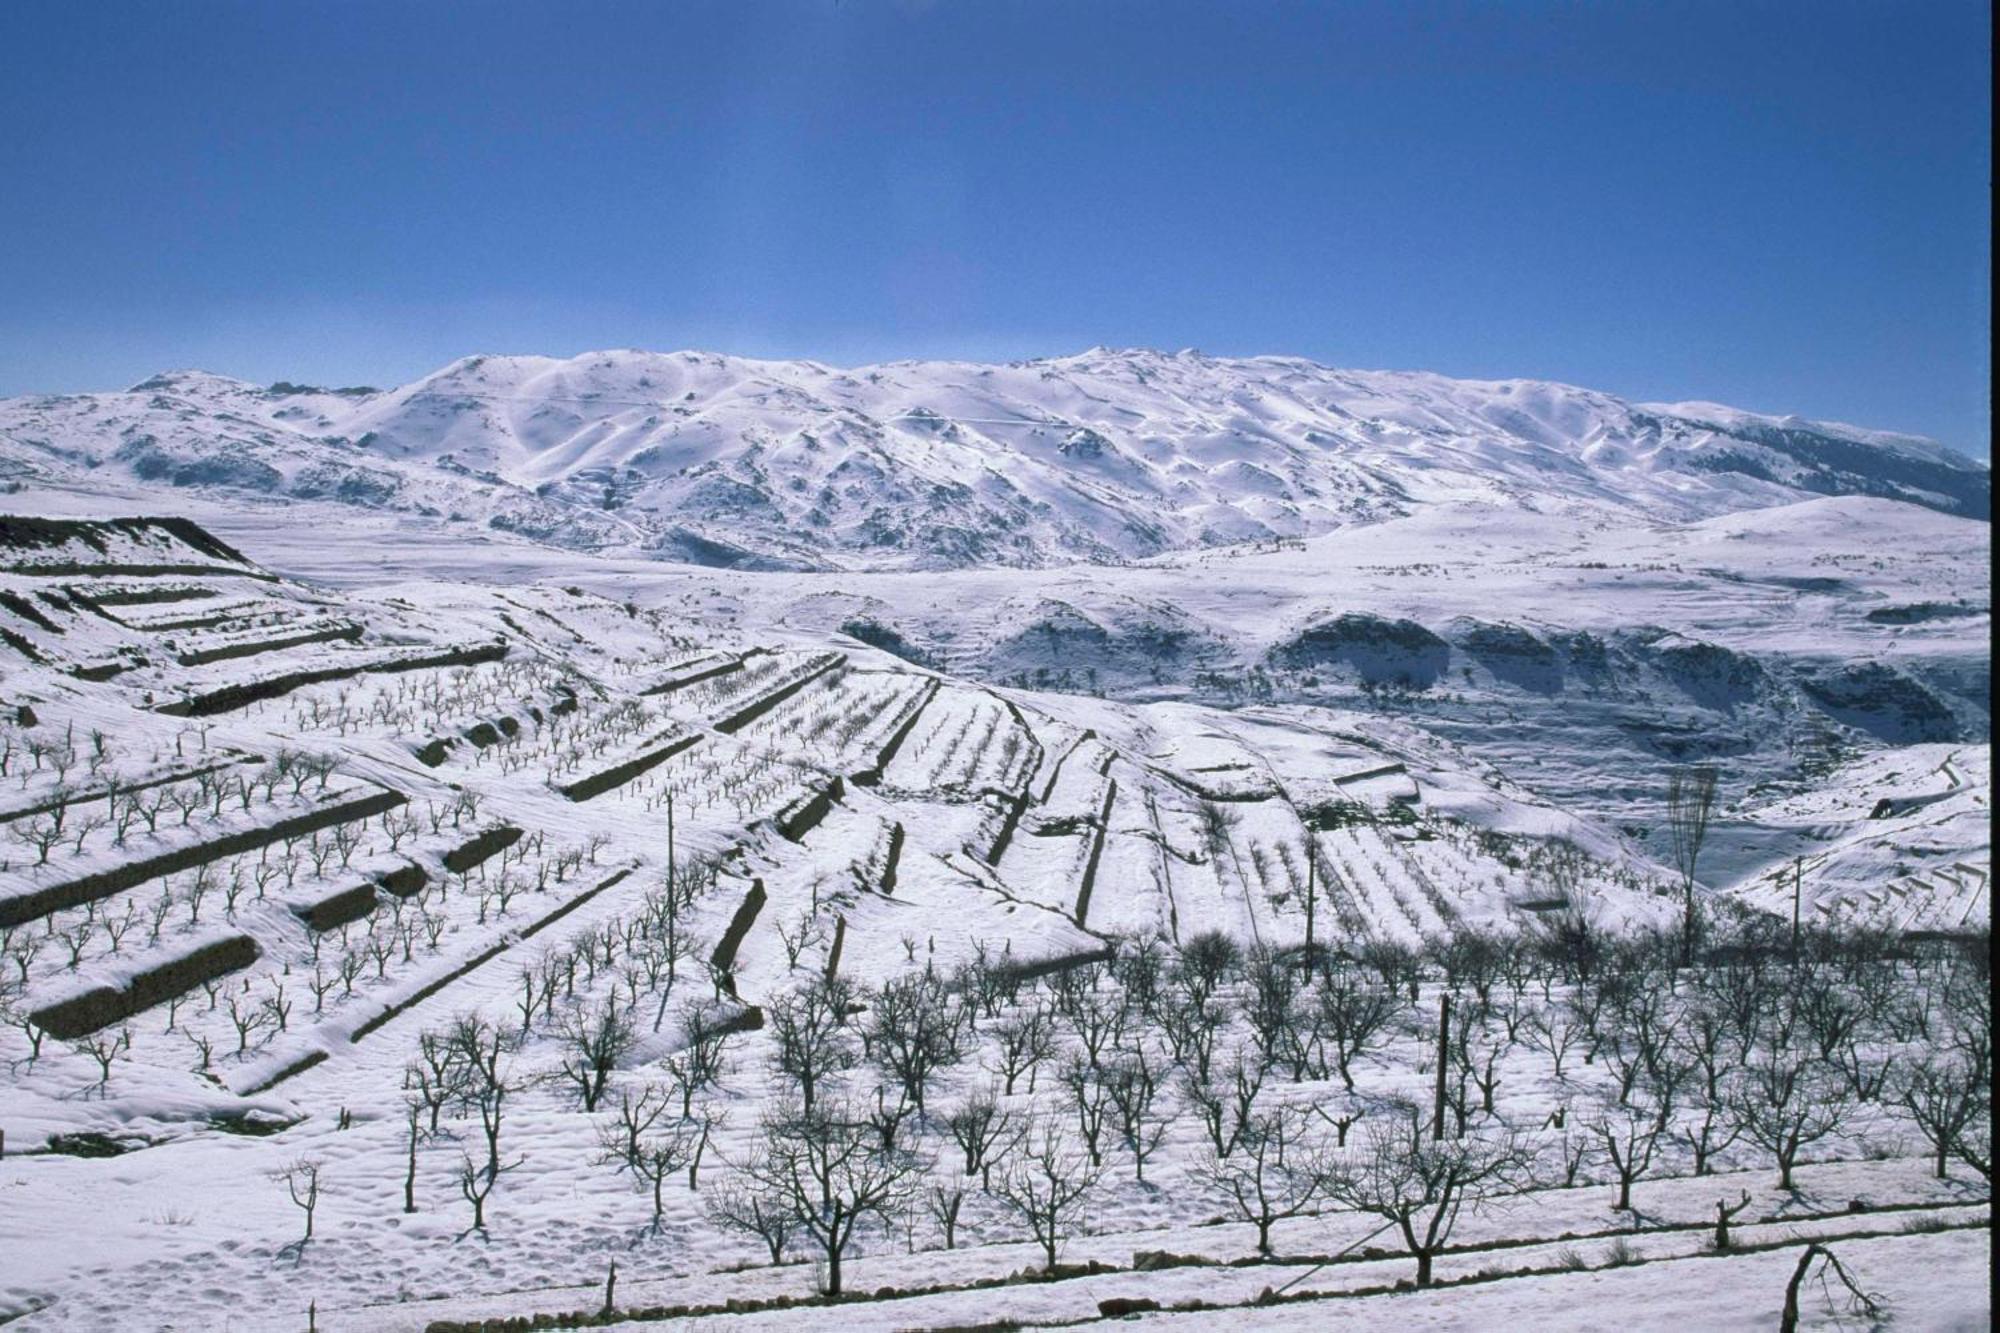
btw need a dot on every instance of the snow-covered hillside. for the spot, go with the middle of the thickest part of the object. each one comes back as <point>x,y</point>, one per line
<point>1185,731</point>
<point>269,844</point>
<point>1107,456</point>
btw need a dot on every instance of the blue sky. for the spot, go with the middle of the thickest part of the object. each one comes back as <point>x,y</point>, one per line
<point>1782,207</point>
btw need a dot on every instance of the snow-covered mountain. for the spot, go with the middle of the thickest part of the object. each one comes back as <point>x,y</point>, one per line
<point>1108,456</point>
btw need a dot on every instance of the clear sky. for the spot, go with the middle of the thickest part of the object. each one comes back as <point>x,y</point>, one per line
<point>1780,206</point>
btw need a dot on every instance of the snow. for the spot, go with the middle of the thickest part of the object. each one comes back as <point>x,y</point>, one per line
<point>1119,702</point>
<point>1110,455</point>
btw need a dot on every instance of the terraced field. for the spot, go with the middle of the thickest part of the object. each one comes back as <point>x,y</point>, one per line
<point>526,924</point>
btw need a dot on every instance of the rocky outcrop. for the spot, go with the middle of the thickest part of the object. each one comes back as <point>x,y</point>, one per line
<point>1378,650</point>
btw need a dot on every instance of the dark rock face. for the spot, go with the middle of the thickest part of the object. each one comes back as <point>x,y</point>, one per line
<point>1084,443</point>
<point>1379,650</point>
<point>1514,655</point>
<point>1921,613</point>
<point>1878,699</point>
<point>1832,466</point>
<point>1709,674</point>
<point>356,486</point>
<point>149,462</point>
<point>886,637</point>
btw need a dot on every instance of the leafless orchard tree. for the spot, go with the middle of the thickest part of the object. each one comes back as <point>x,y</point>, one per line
<point>830,1168</point>
<point>1278,1171</point>
<point>1049,1184</point>
<point>302,1180</point>
<point>1023,1041</point>
<point>1351,1016</point>
<point>593,1040</point>
<point>484,1081</point>
<point>914,1033</point>
<point>810,1035</point>
<point>1630,1136</point>
<point>1784,1103</point>
<point>983,1131</point>
<point>1944,1098</point>
<point>739,1203</point>
<point>648,1143</point>
<point>1421,1185</point>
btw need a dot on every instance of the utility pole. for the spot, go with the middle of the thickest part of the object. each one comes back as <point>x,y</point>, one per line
<point>1798,883</point>
<point>1444,1035</point>
<point>670,843</point>
<point>1312,885</point>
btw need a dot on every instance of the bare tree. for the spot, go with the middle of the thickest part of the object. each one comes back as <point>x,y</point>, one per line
<point>1783,1104</point>
<point>1226,1109</point>
<point>1630,1138</point>
<point>943,1200</point>
<point>1421,1184</point>
<point>1552,1031</point>
<point>1279,1171</point>
<point>1690,803</point>
<point>302,1181</point>
<point>1084,1090</point>
<point>104,1047</point>
<point>593,1041</point>
<point>810,1036</point>
<point>914,1033</point>
<point>1205,961</point>
<point>42,833</point>
<point>1022,1042</point>
<point>982,1131</point>
<point>831,1169</point>
<point>1349,1017</point>
<point>741,1204</point>
<point>1133,1084</point>
<point>1945,1100</point>
<point>18,1018</point>
<point>647,1143</point>
<point>484,1083</point>
<point>475,1183</point>
<point>434,1077</point>
<point>1048,1184</point>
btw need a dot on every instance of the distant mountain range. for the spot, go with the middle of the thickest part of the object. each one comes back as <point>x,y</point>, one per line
<point>1108,456</point>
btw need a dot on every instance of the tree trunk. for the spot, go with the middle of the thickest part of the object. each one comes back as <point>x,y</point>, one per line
<point>1788,1322</point>
<point>410,1174</point>
<point>1423,1268</point>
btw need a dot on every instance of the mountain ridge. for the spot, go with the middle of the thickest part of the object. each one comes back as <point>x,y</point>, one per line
<point>1105,456</point>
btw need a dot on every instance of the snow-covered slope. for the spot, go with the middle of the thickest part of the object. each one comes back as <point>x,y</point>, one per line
<point>262,837</point>
<point>1107,456</point>
<point>1579,656</point>
<point>1900,840</point>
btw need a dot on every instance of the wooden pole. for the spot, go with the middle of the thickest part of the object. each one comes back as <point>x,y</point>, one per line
<point>1798,880</point>
<point>1312,884</point>
<point>1444,1037</point>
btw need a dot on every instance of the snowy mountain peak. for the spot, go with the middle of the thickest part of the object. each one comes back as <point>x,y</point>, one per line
<point>1111,454</point>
